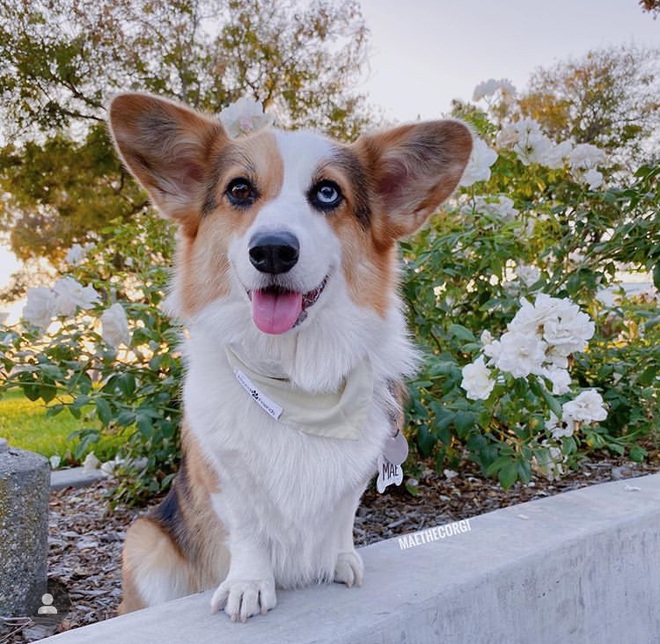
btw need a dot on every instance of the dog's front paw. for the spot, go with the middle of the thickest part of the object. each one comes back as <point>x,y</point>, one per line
<point>349,569</point>
<point>244,598</point>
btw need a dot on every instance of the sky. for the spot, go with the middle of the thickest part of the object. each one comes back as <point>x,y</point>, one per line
<point>426,52</point>
<point>423,53</point>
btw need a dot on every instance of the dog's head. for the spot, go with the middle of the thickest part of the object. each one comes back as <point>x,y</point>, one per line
<point>276,221</point>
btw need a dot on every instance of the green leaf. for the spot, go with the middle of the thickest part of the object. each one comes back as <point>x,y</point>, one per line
<point>103,410</point>
<point>638,453</point>
<point>54,410</point>
<point>462,333</point>
<point>552,402</point>
<point>508,474</point>
<point>464,421</point>
<point>648,375</point>
<point>145,426</point>
<point>125,418</point>
<point>47,393</point>
<point>425,440</point>
<point>32,391</point>
<point>84,383</point>
<point>126,384</point>
<point>51,371</point>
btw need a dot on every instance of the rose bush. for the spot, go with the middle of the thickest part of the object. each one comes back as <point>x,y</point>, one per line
<point>529,353</point>
<point>526,369</point>
<point>107,352</point>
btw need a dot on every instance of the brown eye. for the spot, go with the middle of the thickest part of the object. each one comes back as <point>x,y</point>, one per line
<point>241,192</point>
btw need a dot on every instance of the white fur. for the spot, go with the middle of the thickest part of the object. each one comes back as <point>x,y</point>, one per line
<point>288,499</point>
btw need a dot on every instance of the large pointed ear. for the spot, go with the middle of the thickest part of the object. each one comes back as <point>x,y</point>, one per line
<point>168,148</point>
<point>414,169</point>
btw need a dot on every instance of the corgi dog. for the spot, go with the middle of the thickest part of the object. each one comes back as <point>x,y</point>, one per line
<point>286,279</point>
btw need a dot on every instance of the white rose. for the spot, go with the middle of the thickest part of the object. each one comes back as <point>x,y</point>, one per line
<point>40,307</point>
<point>243,117</point>
<point>556,357</point>
<point>478,167</point>
<point>486,338</point>
<point>560,379</point>
<point>585,156</point>
<point>513,133</point>
<point>560,428</point>
<point>551,463</point>
<point>75,255</point>
<point>476,380</point>
<point>593,178</point>
<point>521,354</point>
<point>114,325</point>
<point>556,155</point>
<point>91,463</point>
<point>571,331</point>
<point>587,406</point>
<point>532,147</point>
<point>485,88</point>
<point>500,207</point>
<point>70,295</point>
<point>493,350</point>
<point>527,274</point>
<point>532,317</point>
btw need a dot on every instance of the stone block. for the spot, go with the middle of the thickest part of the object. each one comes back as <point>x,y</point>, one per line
<point>24,494</point>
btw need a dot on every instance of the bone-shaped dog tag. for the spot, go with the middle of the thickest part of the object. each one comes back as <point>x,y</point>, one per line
<point>388,474</point>
<point>396,449</point>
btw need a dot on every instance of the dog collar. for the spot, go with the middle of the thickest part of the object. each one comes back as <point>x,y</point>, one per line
<point>339,414</point>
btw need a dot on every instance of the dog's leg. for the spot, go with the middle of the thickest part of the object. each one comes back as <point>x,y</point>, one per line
<point>153,570</point>
<point>349,568</point>
<point>249,588</point>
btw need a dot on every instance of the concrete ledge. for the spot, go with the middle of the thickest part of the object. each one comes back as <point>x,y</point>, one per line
<point>74,477</point>
<point>581,567</point>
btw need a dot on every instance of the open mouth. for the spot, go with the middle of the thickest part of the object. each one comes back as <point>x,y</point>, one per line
<point>276,310</point>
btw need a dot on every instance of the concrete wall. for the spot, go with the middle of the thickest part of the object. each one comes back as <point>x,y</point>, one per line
<point>582,567</point>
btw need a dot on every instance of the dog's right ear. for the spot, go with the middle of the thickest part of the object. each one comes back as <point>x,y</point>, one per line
<point>168,148</point>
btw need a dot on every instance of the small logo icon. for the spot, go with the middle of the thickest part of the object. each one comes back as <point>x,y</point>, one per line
<point>47,607</point>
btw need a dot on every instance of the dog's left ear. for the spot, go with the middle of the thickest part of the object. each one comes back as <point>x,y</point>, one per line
<point>414,169</point>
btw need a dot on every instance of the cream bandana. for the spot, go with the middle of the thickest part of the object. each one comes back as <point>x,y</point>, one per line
<point>333,415</point>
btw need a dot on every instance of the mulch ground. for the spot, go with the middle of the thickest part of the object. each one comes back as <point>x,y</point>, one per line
<point>86,536</point>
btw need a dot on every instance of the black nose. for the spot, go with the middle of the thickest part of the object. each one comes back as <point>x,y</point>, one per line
<point>274,253</point>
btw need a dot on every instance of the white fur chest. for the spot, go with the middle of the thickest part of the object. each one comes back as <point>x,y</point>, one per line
<point>285,487</point>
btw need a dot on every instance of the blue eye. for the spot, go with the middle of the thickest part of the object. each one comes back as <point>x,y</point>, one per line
<point>325,195</point>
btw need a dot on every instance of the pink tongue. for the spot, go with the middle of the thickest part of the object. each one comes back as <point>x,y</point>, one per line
<point>275,313</point>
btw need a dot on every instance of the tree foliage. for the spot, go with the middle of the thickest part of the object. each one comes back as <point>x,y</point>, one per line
<point>62,60</point>
<point>608,98</point>
<point>650,6</point>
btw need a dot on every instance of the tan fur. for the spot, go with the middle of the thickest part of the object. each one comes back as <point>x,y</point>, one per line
<point>369,271</point>
<point>203,256</point>
<point>403,193</point>
<point>148,545</point>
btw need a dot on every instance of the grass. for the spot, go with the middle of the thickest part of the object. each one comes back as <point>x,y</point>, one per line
<point>24,424</point>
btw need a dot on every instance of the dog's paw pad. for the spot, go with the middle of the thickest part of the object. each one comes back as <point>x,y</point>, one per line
<point>349,569</point>
<point>242,599</point>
